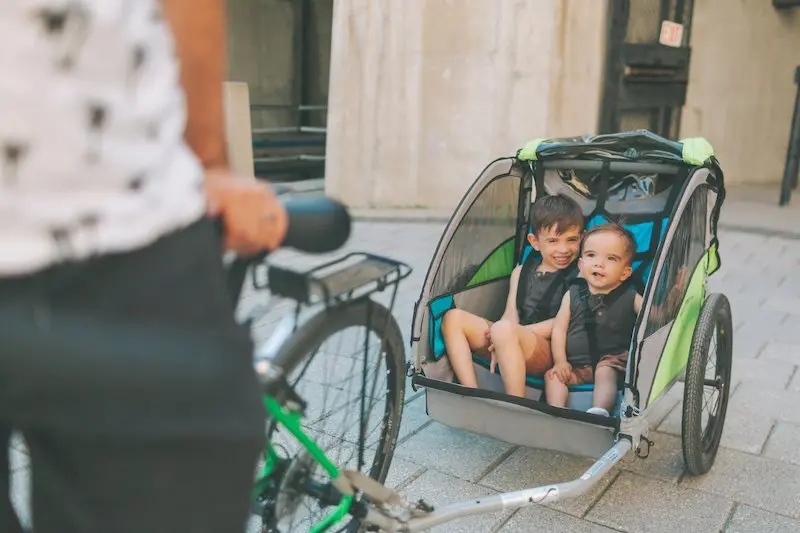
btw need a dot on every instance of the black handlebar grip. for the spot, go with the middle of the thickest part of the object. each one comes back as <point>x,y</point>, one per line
<point>316,225</point>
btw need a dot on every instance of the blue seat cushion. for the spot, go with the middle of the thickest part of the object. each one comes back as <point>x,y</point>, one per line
<point>533,381</point>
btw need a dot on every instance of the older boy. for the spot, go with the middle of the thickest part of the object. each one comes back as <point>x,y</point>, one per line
<point>520,341</point>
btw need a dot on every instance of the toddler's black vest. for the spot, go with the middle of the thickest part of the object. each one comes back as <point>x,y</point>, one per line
<point>600,324</point>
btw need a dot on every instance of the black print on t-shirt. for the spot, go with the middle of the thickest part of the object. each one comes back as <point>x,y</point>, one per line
<point>67,27</point>
<point>139,55</point>
<point>157,15</point>
<point>88,225</point>
<point>136,183</point>
<point>88,220</point>
<point>98,118</point>
<point>13,153</point>
<point>138,58</point>
<point>61,238</point>
<point>152,131</point>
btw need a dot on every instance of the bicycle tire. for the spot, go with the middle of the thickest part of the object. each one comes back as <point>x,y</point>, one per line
<point>328,323</point>
<point>700,446</point>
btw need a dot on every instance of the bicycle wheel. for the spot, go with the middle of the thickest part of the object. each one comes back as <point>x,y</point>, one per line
<point>343,389</point>
<point>706,387</point>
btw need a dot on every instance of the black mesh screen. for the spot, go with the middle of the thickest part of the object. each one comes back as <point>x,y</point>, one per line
<point>628,193</point>
<point>490,221</point>
<point>688,246</point>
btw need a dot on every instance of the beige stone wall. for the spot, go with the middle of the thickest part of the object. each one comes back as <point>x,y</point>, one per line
<point>741,89</point>
<point>424,93</point>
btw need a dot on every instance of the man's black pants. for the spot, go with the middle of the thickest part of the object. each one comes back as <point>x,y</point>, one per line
<point>133,388</point>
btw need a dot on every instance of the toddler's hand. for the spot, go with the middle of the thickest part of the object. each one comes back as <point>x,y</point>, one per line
<point>490,348</point>
<point>562,371</point>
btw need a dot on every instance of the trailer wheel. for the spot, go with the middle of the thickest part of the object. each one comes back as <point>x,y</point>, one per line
<point>707,385</point>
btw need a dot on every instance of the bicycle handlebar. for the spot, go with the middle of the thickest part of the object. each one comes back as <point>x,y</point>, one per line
<point>316,225</point>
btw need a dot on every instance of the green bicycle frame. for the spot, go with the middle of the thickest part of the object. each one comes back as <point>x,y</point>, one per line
<point>291,421</point>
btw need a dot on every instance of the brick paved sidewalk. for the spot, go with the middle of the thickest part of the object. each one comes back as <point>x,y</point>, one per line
<point>754,485</point>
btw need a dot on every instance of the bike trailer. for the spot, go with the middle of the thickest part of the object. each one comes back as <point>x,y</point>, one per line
<point>669,195</point>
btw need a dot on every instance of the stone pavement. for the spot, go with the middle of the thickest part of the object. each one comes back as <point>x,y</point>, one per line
<point>754,485</point>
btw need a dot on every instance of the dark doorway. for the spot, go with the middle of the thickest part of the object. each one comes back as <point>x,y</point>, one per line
<point>645,80</point>
<point>282,49</point>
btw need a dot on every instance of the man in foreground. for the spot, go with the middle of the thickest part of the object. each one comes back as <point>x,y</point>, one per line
<point>121,363</point>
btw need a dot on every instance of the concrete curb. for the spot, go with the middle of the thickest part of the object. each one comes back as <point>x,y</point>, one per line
<point>766,232</point>
<point>427,216</point>
<point>422,216</point>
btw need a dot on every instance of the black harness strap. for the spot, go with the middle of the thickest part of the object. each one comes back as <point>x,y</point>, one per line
<point>590,317</point>
<point>547,297</point>
<point>590,323</point>
<point>522,285</point>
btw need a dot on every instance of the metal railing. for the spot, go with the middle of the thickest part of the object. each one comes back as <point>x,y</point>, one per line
<point>289,152</point>
<point>790,173</point>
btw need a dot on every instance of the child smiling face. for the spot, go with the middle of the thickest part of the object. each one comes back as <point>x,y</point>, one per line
<point>558,249</point>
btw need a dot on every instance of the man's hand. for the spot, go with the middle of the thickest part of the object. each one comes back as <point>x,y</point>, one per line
<point>254,218</point>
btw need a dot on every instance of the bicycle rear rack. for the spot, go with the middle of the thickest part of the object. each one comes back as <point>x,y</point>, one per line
<point>354,276</point>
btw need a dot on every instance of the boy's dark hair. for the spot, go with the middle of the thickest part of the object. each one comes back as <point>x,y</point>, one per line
<point>619,230</point>
<point>555,211</point>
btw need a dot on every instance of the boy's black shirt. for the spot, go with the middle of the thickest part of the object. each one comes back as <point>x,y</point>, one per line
<point>539,294</point>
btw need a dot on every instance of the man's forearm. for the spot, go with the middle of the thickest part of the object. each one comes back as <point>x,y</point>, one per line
<point>199,29</point>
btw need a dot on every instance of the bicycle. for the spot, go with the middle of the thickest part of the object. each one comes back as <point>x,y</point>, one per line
<point>359,500</point>
<point>344,289</point>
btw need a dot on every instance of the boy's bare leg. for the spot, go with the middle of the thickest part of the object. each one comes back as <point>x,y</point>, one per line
<point>463,334</point>
<point>518,351</point>
<point>555,390</point>
<point>605,387</point>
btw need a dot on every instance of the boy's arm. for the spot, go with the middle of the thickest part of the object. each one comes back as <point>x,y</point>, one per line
<point>558,340</point>
<point>510,312</point>
<point>543,329</point>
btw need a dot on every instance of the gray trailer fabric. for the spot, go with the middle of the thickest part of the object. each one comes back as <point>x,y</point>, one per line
<point>684,243</point>
<point>649,356</point>
<point>488,223</point>
<point>487,300</point>
<point>518,425</point>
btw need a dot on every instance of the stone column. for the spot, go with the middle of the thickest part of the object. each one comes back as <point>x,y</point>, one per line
<point>238,131</point>
<point>424,93</point>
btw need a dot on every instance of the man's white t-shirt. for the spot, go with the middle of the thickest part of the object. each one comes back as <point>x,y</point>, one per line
<point>92,117</point>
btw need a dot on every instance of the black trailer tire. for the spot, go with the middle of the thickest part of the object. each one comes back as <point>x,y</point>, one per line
<point>700,444</point>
